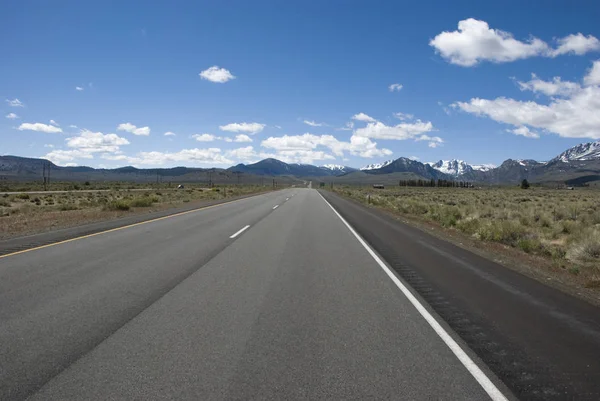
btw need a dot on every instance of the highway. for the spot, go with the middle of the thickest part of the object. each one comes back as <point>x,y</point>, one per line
<point>280,296</point>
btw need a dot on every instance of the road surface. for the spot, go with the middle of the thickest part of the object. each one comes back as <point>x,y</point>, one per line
<point>269,297</point>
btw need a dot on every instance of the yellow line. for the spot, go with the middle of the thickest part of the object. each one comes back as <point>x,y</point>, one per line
<point>121,228</point>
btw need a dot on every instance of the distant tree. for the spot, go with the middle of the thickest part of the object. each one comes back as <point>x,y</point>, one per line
<point>524,184</point>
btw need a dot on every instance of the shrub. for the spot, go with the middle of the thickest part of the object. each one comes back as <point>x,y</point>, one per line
<point>23,196</point>
<point>64,208</point>
<point>529,245</point>
<point>117,205</point>
<point>141,202</point>
<point>586,249</point>
<point>4,203</point>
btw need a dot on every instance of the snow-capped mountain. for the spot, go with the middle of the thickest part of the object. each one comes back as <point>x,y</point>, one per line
<point>452,167</point>
<point>334,167</point>
<point>584,151</point>
<point>483,167</point>
<point>376,165</point>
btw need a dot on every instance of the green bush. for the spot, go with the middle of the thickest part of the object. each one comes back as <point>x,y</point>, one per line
<point>141,202</point>
<point>23,196</point>
<point>117,205</point>
<point>64,208</point>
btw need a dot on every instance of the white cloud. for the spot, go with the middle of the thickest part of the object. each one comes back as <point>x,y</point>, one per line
<point>71,164</point>
<point>246,154</point>
<point>60,157</point>
<point>577,115</point>
<point>204,137</point>
<point>395,87</point>
<point>277,126</point>
<point>209,156</point>
<point>349,126</point>
<point>239,138</point>
<point>251,128</point>
<point>54,123</point>
<point>433,144</point>
<point>313,124</point>
<point>556,87</point>
<point>128,127</point>
<point>48,145</point>
<point>12,116</point>
<point>524,131</point>
<point>72,126</point>
<point>593,75</point>
<point>434,141</point>
<point>363,117</point>
<point>169,133</point>
<point>415,158</point>
<point>94,142</point>
<point>78,88</point>
<point>402,131</point>
<point>50,129</point>
<point>216,74</point>
<point>577,44</point>
<point>475,41</point>
<point>358,146</point>
<point>403,116</point>
<point>15,103</point>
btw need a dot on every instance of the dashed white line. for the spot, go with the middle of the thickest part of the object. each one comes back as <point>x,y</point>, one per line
<point>239,232</point>
<point>490,388</point>
<point>275,207</point>
<point>287,199</point>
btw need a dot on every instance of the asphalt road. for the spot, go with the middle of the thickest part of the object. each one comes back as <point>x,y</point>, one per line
<point>270,297</point>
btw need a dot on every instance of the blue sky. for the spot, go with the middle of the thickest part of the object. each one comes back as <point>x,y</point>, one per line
<point>465,71</point>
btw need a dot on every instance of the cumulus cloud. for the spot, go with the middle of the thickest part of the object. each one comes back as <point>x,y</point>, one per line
<point>239,138</point>
<point>556,87</point>
<point>50,129</point>
<point>313,123</point>
<point>575,115</point>
<point>251,128</point>
<point>358,146</point>
<point>78,88</point>
<point>209,156</point>
<point>94,142</point>
<point>395,87</point>
<point>363,117</point>
<point>15,103</point>
<point>403,116</point>
<point>169,133</point>
<point>54,123</point>
<point>402,131</point>
<point>128,127</point>
<point>61,157</point>
<point>216,74</point>
<point>349,126</point>
<point>12,116</point>
<point>524,131</point>
<point>204,137</point>
<point>475,41</point>
<point>593,75</point>
<point>578,44</point>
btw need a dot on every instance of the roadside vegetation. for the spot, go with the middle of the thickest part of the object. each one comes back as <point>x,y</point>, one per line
<point>28,213</point>
<point>560,226</point>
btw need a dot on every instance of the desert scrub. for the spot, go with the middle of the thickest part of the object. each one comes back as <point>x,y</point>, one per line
<point>117,205</point>
<point>146,201</point>
<point>563,226</point>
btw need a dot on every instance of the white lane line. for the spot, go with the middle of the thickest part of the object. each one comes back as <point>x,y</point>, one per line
<point>239,232</point>
<point>275,207</point>
<point>287,199</point>
<point>489,387</point>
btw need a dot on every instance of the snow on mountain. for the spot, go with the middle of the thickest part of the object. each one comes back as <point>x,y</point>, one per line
<point>376,165</point>
<point>452,167</point>
<point>584,151</point>
<point>483,167</point>
<point>334,167</point>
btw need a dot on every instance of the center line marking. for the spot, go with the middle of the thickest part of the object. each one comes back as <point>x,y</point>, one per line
<point>275,207</point>
<point>287,199</point>
<point>239,232</point>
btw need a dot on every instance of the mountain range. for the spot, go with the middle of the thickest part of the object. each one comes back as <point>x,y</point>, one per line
<point>577,165</point>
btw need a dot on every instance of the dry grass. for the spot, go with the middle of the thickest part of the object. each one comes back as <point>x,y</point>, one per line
<point>558,225</point>
<point>23,214</point>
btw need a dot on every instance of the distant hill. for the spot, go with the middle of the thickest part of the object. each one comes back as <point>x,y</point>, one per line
<point>276,167</point>
<point>577,165</point>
